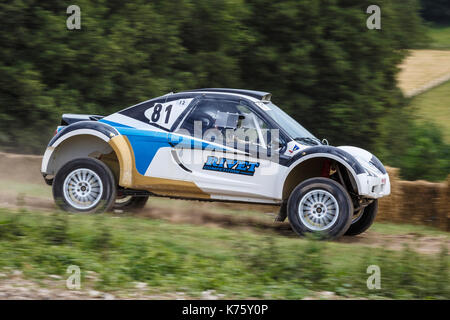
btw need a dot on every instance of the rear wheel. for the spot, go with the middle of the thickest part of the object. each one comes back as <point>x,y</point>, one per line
<point>321,206</point>
<point>84,185</point>
<point>130,203</point>
<point>363,219</point>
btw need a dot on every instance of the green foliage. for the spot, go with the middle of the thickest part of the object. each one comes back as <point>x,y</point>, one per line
<point>437,11</point>
<point>418,149</point>
<point>102,239</point>
<point>150,263</point>
<point>410,275</point>
<point>317,57</point>
<point>56,231</point>
<point>124,53</point>
<point>326,68</point>
<point>439,37</point>
<point>428,156</point>
<point>10,227</point>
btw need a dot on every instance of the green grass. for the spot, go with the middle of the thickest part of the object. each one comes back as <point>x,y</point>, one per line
<point>396,229</point>
<point>440,37</point>
<point>191,259</point>
<point>434,106</point>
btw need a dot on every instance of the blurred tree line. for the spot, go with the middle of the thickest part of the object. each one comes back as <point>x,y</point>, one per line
<point>317,57</point>
<point>437,11</point>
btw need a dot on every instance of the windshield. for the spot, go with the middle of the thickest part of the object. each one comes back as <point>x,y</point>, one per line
<point>292,127</point>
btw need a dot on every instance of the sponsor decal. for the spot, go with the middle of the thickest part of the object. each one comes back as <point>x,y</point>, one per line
<point>230,166</point>
<point>295,148</point>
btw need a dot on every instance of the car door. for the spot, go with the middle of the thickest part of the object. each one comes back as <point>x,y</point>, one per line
<point>228,155</point>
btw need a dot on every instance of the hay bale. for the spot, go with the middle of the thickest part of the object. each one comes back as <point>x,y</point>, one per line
<point>421,203</point>
<point>444,211</point>
<point>416,202</point>
<point>390,207</point>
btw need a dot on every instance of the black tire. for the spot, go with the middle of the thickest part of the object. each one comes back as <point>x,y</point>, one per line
<point>132,204</point>
<point>108,194</point>
<point>364,221</point>
<point>342,201</point>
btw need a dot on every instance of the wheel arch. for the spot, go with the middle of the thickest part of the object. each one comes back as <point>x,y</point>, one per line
<point>311,166</point>
<point>90,139</point>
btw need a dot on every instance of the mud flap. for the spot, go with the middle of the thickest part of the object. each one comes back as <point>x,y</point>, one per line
<point>48,181</point>
<point>282,214</point>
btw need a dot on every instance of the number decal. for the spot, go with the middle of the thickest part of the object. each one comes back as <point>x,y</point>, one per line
<point>168,109</point>
<point>156,113</point>
<point>164,115</point>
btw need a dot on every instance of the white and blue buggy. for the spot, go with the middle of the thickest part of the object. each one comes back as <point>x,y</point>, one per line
<point>215,145</point>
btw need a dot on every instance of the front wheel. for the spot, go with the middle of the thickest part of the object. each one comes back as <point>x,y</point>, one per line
<point>321,206</point>
<point>363,220</point>
<point>84,185</point>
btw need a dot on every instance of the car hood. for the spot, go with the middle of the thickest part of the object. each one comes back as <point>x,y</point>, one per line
<point>366,159</point>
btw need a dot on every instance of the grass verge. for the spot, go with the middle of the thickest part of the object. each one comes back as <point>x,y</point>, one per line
<point>192,259</point>
<point>440,37</point>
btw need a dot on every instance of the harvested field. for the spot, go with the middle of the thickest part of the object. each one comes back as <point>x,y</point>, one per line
<point>423,70</point>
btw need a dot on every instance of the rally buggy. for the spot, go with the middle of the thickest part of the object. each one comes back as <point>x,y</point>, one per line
<point>214,145</point>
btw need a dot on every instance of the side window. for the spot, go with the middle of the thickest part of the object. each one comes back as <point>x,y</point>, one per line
<point>164,115</point>
<point>226,122</point>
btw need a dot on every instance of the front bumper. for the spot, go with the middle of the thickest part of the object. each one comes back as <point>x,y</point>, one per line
<point>372,186</point>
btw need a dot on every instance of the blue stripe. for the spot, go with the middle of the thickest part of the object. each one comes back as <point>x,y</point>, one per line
<point>146,143</point>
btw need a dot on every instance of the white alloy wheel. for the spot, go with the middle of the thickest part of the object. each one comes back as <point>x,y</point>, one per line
<point>83,189</point>
<point>318,210</point>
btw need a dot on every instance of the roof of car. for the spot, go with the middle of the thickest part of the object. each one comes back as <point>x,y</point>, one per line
<point>260,95</point>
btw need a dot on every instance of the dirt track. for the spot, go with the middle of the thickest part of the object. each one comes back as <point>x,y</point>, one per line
<point>261,223</point>
<point>26,170</point>
<point>14,286</point>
